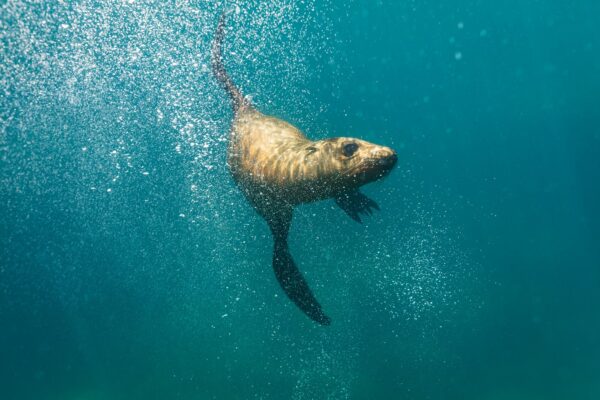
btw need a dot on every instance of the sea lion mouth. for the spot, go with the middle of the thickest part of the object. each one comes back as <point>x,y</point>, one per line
<point>373,169</point>
<point>388,162</point>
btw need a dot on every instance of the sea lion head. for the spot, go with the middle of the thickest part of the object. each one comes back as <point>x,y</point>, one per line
<point>350,163</point>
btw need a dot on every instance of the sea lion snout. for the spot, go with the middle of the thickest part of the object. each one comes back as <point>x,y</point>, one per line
<point>388,161</point>
<point>383,157</point>
<point>382,153</point>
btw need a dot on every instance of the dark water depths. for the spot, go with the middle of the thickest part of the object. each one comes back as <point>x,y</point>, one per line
<point>131,267</point>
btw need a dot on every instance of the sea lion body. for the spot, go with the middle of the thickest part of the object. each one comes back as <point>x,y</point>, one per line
<point>271,154</point>
<point>277,168</point>
<point>266,153</point>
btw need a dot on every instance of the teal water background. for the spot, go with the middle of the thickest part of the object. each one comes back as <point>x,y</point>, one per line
<point>131,267</point>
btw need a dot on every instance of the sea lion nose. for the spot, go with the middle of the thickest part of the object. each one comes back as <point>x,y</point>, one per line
<point>388,161</point>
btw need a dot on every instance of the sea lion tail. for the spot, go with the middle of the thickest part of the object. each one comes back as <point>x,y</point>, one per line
<point>288,275</point>
<point>293,284</point>
<point>218,67</point>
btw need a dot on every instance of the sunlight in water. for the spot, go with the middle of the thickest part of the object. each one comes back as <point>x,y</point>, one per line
<point>132,266</point>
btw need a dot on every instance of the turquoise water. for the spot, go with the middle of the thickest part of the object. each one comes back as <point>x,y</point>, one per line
<point>131,267</point>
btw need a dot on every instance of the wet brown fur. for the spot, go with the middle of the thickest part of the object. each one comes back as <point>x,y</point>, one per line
<point>268,153</point>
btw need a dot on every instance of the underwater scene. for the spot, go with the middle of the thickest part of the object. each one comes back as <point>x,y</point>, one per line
<point>299,199</point>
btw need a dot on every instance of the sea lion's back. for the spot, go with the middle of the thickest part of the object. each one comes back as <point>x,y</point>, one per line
<point>264,128</point>
<point>260,144</point>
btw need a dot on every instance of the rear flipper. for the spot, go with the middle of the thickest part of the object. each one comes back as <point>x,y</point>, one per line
<point>293,284</point>
<point>355,203</point>
<point>290,278</point>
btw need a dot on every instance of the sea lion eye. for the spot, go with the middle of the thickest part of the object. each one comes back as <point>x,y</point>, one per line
<point>349,149</point>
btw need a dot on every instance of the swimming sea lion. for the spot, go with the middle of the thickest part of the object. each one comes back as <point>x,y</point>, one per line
<point>277,168</point>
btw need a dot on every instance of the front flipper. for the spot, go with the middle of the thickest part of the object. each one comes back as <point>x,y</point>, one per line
<point>290,278</point>
<point>355,203</point>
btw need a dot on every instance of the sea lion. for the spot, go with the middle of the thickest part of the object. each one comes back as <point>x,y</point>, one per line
<point>278,168</point>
